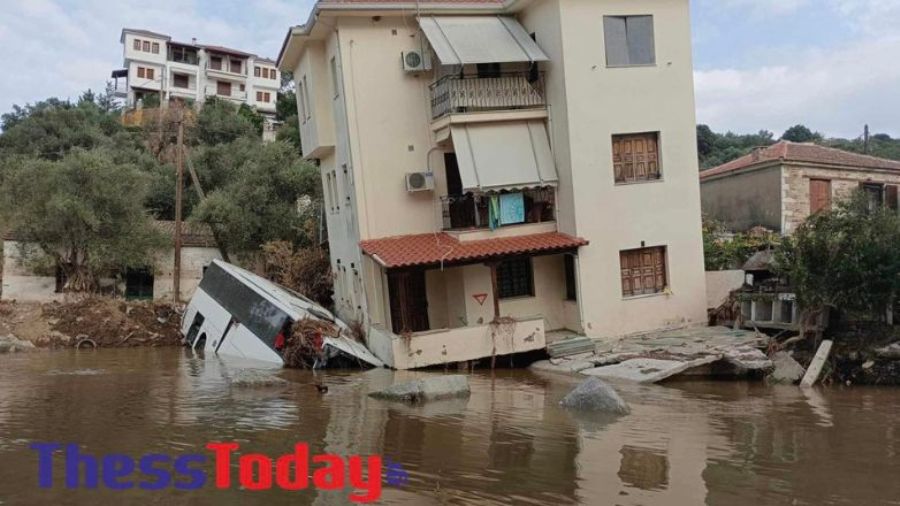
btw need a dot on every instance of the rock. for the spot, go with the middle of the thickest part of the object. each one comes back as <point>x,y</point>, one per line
<point>594,394</point>
<point>648,370</point>
<point>787,370</point>
<point>5,346</point>
<point>12,344</point>
<point>427,389</point>
<point>891,351</point>
<point>255,379</point>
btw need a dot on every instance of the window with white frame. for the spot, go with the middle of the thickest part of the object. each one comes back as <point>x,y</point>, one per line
<point>629,40</point>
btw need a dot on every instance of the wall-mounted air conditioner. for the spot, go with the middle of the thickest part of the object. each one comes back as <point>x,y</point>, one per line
<point>416,61</point>
<point>419,181</point>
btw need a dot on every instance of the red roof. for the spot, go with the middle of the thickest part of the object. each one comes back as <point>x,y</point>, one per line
<point>786,151</point>
<point>434,249</point>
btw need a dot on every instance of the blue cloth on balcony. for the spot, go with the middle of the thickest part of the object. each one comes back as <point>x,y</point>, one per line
<point>494,212</point>
<point>512,208</point>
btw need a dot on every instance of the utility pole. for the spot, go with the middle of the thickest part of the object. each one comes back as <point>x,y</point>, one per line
<point>866,140</point>
<point>179,185</point>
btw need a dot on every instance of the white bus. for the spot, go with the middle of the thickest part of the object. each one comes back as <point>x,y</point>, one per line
<point>237,313</point>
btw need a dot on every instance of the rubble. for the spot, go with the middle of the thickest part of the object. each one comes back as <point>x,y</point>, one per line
<point>787,370</point>
<point>427,389</point>
<point>12,344</point>
<point>304,348</point>
<point>594,394</point>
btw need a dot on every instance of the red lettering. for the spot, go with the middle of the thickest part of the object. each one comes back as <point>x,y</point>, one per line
<point>222,456</point>
<point>263,472</point>
<point>300,460</point>
<point>370,484</point>
<point>331,476</point>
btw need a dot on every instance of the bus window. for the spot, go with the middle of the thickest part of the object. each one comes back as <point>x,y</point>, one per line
<point>195,328</point>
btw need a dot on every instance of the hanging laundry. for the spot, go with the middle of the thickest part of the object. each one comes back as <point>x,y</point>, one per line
<point>512,208</point>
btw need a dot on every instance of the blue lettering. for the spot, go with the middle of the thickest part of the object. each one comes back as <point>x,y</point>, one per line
<point>74,459</point>
<point>182,466</point>
<point>163,476</point>
<point>116,467</point>
<point>45,462</point>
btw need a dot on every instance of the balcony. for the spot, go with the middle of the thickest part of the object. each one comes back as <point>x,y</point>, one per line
<point>462,94</point>
<point>471,211</point>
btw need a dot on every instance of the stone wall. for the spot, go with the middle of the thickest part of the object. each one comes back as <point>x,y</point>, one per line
<point>744,200</point>
<point>795,188</point>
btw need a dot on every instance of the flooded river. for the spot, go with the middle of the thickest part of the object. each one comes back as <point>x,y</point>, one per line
<point>691,443</point>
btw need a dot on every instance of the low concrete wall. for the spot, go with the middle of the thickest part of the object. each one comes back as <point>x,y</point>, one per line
<point>719,284</point>
<point>468,343</point>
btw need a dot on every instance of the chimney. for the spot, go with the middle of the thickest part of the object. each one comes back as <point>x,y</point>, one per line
<point>756,152</point>
<point>194,40</point>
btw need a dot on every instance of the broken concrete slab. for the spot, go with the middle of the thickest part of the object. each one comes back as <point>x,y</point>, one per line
<point>787,370</point>
<point>595,394</point>
<point>426,389</point>
<point>745,361</point>
<point>648,370</point>
<point>818,363</point>
<point>250,378</point>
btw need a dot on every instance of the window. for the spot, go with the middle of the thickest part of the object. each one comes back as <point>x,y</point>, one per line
<point>236,66</point>
<point>137,44</point>
<point>142,72</point>
<point>486,70</point>
<point>328,202</point>
<point>139,284</point>
<point>223,88</point>
<point>335,85</point>
<point>272,74</point>
<point>259,96</point>
<point>629,40</point>
<point>256,71</point>
<point>180,80</point>
<point>301,102</point>
<point>636,157</point>
<point>515,278</point>
<point>150,74</point>
<point>571,287</point>
<point>643,271</point>
<point>874,194</point>
<point>215,62</point>
<point>267,97</point>
<point>155,48</point>
<point>890,197</point>
<point>307,104</point>
<point>183,54</point>
<point>243,87</point>
<point>146,46</point>
<point>335,191</point>
<point>819,195</point>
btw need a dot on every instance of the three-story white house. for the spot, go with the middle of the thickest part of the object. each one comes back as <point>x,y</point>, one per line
<point>499,174</point>
<point>157,66</point>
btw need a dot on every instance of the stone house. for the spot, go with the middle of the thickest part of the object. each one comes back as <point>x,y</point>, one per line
<point>22,283</point>
<point>779,186</point>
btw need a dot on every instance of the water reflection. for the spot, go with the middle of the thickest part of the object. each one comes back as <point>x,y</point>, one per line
<point>509,443</point>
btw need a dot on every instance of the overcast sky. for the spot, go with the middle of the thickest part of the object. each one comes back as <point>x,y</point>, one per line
<point>760,64</point>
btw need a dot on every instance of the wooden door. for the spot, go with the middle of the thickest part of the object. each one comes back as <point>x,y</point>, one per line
<point>636,157</point>
<point>409,302</point>
<point>643,271</point>
<point>819,195</point>
<point>890,197</point>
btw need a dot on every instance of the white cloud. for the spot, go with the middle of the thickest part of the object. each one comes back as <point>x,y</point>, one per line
<point>763,7</point>
<point>833,91</point>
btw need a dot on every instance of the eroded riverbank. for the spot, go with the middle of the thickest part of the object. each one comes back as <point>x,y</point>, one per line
<point>732,443</point>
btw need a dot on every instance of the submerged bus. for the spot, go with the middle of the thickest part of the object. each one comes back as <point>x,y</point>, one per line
<point>239,314</point>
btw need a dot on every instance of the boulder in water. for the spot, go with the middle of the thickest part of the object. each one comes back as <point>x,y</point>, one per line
<point>595,394</point>
<point>787,370</point>
<point>426,389</point>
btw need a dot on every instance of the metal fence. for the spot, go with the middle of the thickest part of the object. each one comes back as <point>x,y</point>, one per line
<point>455,94</point>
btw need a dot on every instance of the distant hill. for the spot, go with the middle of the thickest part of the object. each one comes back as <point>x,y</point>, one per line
<point>716,149</point>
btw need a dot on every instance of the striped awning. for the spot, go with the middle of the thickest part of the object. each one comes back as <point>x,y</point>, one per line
<point>503,156</point>
<point>462,40</point>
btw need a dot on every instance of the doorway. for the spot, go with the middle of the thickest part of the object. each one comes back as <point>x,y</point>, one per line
<point>139,284</point>
<point>409,302</point>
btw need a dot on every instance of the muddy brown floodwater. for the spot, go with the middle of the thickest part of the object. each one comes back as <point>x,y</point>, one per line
<point>690,443</point>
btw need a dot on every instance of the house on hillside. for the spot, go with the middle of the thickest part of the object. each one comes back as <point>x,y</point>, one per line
<point>779,186</point>
<point>22,282</point>
<point>160,70</point>
<point>499,174</point>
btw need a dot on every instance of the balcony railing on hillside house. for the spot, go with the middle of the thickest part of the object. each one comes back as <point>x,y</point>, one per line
<point>459,94</point>
<point>472,211</point>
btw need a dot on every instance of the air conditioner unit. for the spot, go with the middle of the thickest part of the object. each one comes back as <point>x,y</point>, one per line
<point>419,181</point>
<point>416,61</point>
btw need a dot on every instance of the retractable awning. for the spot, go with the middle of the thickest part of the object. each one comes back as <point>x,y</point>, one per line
<point>503,156</point>
<point>461,40</point>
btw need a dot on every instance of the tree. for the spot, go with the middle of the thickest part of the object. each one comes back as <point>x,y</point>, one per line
<point>79,212</point>
<point>290,133</point>
<point>846,259</point>
<point>260,186</point>
<point>800,133</point>
<point>220,122</point>
<point>706,140</point>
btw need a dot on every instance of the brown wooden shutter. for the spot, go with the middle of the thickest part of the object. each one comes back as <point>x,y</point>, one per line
<point>653,156</point>
<point>643,271</point>
<point>146,46</point>
<point>141,72</point>
<point>137,44</point>
<point>150,74</point>
<point>819,195</point>
<point>636,157</point>
<point>223,88</point>
<point>890,196</point>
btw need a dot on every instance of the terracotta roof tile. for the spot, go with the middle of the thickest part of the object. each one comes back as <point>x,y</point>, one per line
<point>786,151</point>
<point>433,249</point>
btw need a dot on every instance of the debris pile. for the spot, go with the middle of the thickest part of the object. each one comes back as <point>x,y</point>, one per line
<point>304,348</point>
<point>95,322</point>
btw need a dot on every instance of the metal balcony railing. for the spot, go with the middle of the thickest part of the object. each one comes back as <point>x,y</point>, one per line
<point>457,94</point>
<point>470,211</point>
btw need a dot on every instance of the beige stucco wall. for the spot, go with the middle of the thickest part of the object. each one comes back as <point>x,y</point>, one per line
<point>720,284</point>
<point>795,196</point>
<point>745,200</point>
<point>600,102</point>
<point>193,261</point>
